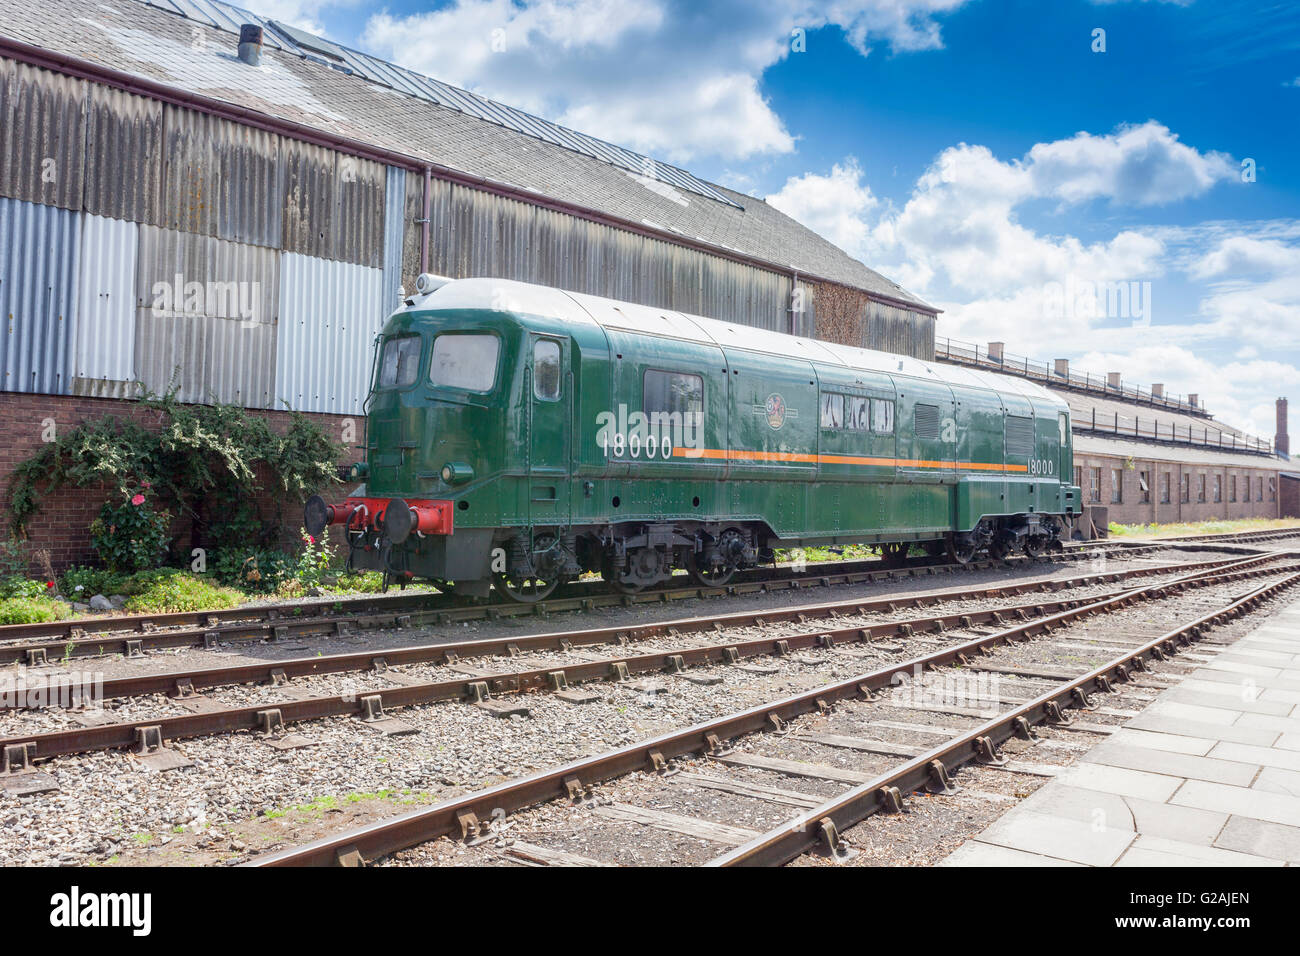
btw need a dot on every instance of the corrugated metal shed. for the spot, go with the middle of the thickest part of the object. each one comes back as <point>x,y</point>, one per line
<point>394,231</point>
<point>124,157</point>
<point>329,317</point>
<point>42,137</point>
<point>103,356</point>
<point>39,249</point>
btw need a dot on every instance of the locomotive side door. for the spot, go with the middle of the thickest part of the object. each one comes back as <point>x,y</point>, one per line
<point>548,398</point>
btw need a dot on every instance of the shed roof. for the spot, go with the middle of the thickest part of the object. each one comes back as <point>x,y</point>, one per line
<point>345,93</point>
<point>1166,452</point>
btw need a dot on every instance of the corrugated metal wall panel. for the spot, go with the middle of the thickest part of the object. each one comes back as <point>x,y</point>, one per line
<point>394,234</point>
<point>206,316</point>
<point>328,323</point>
<point>358,233</point>
<point>103,355</point>
<point>39,249</point>
<point>188,189</point>
<point>43,138</point>
<point>249,184</point>
<point>124,156</point>
<point>310,199</point>
<point>412,237</point>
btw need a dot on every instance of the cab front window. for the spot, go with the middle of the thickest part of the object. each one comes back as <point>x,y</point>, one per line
<point>465,360</point>
<point>399,362</point>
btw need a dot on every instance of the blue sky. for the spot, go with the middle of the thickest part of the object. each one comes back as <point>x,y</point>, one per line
<point>979,152</point>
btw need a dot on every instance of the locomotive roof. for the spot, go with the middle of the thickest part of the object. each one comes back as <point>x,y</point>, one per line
<point>522,298</point>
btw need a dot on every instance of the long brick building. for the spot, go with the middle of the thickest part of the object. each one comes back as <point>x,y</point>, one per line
<point>1142,456</point>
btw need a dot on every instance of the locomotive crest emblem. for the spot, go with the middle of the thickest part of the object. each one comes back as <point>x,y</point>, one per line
<point>775,410</point>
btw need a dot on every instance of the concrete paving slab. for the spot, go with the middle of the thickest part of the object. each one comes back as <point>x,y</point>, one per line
<point>1209,715</point>
<point>1156,851</point>
<point>1110,811</point>
<point>1126,783</point>
<point>975,853</point>
<point>1058,837</point>
<point>1183,766</point>
<point>1277,780</point>
<point>1202,729</point>
<point>1288,742</point>
<point>1238,801</point>
<point>1238,679</point>
<point>1174,743</point>
<point>1274,840</point>
<point>1235,700</point>
<point>1264,756</point>
<point>1281,725</point>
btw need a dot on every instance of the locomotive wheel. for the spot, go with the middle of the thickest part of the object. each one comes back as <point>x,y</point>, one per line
<point>707,577</point>
<point>1035,545</point>
<point>998,550</point>
<point>894,555</point>
<point>963,551</point>
<point>525,590</point>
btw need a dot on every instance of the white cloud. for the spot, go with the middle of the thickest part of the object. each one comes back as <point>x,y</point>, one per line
<point>303,14</point>
<point>833,206</point>
<point>650,74</point>
<point>1228,330</point>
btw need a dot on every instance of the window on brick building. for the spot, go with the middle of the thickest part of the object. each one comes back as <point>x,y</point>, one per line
<point>1078,475</point>
<point>1144,486</point>
<point>1164,488</point>
<point>1218,488</point>
<point>1232,487</point>
<point>1116,486</point>
<point>1200,488</point>
<point>1272,489</point>
<point>1094,485</point>
<point>1259,489</point>
<point>1185,488</point>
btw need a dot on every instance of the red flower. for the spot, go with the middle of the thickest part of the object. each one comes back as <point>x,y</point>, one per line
<point>310,539</point>
<point>49,585</point>
<point>138,500</point>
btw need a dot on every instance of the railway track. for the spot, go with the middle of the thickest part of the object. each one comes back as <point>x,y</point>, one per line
<point>838,712</point>
<point>132,635</point>
<point>186,684</point>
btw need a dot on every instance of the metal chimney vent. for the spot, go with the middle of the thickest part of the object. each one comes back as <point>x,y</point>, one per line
<point>250,44</point>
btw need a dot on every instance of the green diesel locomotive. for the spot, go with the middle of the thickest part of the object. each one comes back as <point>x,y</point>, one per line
<point>519,435</point>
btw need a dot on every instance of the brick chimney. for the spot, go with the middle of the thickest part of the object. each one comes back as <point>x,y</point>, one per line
<point>1194,400</point>
<point>995,351</point>
<point>1158,390</point>
<point>1282,441</point>
<point>1063,368</point>
<point>1113,379</point>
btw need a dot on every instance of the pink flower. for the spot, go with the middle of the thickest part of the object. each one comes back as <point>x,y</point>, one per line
<point>146,485</point>
<point>310,539</point>
<point>138,500</point>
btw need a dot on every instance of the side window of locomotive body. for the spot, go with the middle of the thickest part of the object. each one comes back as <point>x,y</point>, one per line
<point>857,415</point>
<point>832,410</point>
<point>671,393</point>
<point>466,360</point>
<point>399,362</point>
<point>1063,428</point>
<point>546,370</point>
<point>882,416</point>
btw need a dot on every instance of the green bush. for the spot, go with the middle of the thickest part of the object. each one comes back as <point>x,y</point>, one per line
<point>170,589</point>
<point>132,534</point>
<point>20,587</point>
<point>81,584</point>
<point>25,610</point>
<point>365,582</point>
<point>257,570</point>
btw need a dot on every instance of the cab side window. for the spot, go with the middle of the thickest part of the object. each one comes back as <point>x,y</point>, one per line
<point>882,416</point>
<point>399,362</point>
<point>546,369</point>
<point>832,410</point>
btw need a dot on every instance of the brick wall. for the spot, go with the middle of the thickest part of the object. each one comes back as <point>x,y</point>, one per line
<point>1132,509</point>
<point>61,525</point>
